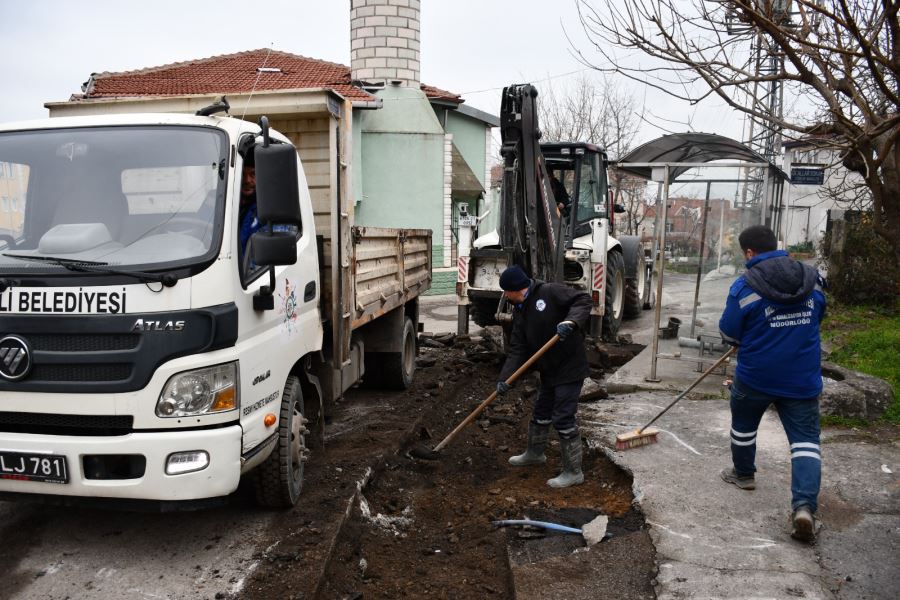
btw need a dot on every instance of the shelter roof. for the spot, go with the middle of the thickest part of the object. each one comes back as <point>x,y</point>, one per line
<point>687,148</point>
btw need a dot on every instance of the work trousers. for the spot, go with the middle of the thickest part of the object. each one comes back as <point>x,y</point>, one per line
<point>800,419</point>
<point>558,404</point>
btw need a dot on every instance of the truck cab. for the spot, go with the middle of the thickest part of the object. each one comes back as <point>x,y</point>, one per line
<point>145,352</point>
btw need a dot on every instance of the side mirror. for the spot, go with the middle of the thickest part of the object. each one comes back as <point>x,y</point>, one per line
<point>618,208</point>
<point>277,188</point>
<point>271,248</point>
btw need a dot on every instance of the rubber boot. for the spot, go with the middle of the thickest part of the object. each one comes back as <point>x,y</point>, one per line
<point>537,442</point>
<point>570,450</point>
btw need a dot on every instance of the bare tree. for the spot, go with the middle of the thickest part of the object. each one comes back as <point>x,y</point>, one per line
<point>841,56</point>
<point>632,193</point>
<point>602,114</point>
<point>587,111</point>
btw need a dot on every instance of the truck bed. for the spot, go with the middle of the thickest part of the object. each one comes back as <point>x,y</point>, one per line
<point>390,267</point>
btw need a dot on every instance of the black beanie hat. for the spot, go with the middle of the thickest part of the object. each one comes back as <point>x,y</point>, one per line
<point>514,279</point>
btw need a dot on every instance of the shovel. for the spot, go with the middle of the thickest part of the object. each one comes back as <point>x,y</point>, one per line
<point>428,454</point>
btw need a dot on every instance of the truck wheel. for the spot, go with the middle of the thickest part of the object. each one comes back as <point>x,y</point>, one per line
<point>280,478</point>
<point>615,295</point>
<point>400,366</point>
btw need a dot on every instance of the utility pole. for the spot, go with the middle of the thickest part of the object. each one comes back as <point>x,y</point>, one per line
<point>763,135</point>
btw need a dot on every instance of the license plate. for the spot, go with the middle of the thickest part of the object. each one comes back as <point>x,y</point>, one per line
<point>48,468</point>
<point>487,273</point>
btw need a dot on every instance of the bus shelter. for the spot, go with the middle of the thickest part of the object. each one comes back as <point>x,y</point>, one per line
<point>683,160</point>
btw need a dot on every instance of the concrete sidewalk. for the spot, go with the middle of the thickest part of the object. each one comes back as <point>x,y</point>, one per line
<point>714,540</point>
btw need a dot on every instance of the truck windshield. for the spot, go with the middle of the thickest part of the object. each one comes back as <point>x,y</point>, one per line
<point>141,198</point>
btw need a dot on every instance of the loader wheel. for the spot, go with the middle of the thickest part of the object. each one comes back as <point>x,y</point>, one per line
<point>636,279</point>
<point>280,478</point>
<point>634,294</point>
<point>615,296</point>
<point>649,299</point>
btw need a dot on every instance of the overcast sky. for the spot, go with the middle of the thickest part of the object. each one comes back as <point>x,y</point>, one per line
<point>471,47</point>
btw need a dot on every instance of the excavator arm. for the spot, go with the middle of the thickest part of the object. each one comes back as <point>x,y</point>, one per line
<point>530,230</point>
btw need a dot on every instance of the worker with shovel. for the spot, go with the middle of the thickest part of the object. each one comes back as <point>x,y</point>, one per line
<point>541,311</point>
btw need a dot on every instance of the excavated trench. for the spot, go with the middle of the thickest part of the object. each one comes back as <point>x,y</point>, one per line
<point>423,528</point>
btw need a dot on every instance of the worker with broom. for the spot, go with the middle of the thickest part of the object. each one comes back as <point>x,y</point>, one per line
<point>772,315</point>
<point>542,310</point>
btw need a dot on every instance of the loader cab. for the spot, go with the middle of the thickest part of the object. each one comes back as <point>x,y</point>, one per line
<point>581,168</point>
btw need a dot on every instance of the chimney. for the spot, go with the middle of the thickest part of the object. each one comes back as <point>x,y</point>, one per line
<point>384,42</point>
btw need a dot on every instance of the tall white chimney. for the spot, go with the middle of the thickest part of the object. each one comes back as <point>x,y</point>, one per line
<point>384,41</point>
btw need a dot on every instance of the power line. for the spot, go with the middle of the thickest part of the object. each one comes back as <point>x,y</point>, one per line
<point>549,78</point>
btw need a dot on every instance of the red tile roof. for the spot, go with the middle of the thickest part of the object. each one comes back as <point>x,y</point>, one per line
<point>236,73</point>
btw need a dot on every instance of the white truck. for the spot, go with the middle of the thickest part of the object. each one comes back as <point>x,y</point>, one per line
<point>144,354</point>
<point>572,245</point>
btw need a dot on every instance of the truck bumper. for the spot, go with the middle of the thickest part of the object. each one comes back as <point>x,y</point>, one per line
<point>219,478</point>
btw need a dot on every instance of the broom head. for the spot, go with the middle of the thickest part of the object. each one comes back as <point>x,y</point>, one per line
<point>633,439</point>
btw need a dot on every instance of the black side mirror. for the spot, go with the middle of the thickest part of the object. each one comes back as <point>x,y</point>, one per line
<point>277,202</point>
<point>270,248</point>
<point>277,189</point>
<point>618,208</point>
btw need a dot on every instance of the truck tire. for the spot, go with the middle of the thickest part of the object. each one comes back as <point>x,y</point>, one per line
<point>279,478</point>
<point>398,367</point>
<point>615,295</point>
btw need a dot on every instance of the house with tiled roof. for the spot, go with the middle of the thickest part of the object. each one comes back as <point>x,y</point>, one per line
<point>391,151</point>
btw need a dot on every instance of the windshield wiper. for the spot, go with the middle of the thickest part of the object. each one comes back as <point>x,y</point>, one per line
<point>93,266</point>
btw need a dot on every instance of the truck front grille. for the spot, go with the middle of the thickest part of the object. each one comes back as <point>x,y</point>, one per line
<point>50,424</point>
<point>79,372</point>
<point>83,342</point>
<point>111,353</point>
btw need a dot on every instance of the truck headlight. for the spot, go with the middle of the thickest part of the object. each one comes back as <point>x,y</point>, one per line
<point>199,392</point>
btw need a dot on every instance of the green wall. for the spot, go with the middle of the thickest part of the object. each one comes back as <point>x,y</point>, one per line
<point>398,167</point>
<point>399,170</point>
<point>403,181</point>
<point>468,137</point>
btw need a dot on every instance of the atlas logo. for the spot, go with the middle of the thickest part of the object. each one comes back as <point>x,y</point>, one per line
<point>261,378</point>
<point>15,358</point>
<point>147,325</point>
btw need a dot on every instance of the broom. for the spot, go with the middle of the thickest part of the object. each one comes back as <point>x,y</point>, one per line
<point>644,436</point>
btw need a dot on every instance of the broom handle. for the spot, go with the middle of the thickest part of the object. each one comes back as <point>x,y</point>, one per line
<point>723,358</point>
<point>493,395</point>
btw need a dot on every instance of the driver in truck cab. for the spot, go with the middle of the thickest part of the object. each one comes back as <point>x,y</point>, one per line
<point>248,224</point>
